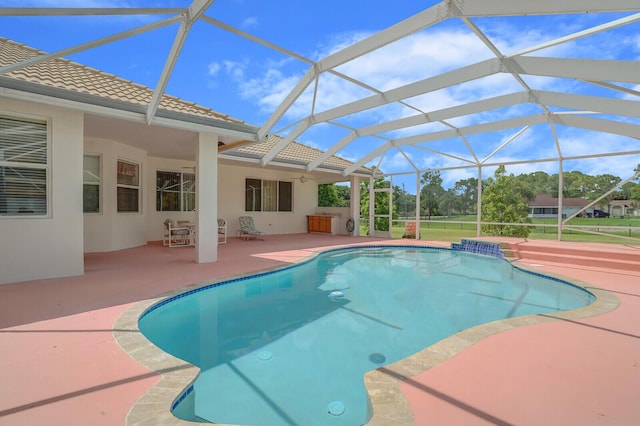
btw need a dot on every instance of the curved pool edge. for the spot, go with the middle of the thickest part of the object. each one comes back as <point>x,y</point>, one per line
<point>389,403</point>
<point>176,375</point>
<point>390,406</point>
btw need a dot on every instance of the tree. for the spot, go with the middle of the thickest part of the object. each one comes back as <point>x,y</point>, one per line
<point>467,192</point>
<point>431,191</point>
<point>602,184</point>
<point>540,183</point>
<point>332,195</point>
<point>381,204</point>
<point>577,184</point>
<point>631,190</point>
<point>448,201</point>
<point>505,200</point>
<point>344,195</point>
<point>403,202</point>
<point>327,195</point>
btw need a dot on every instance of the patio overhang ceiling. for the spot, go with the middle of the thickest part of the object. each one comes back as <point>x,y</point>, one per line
<point>545,85</point>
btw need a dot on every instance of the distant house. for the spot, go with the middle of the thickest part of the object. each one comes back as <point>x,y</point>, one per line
<point>547,206</point>
<point>623,208</point>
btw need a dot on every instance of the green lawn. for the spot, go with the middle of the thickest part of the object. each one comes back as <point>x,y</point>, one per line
<point>439,230</point>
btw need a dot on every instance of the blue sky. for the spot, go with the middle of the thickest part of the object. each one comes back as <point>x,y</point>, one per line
<point>248,81</point>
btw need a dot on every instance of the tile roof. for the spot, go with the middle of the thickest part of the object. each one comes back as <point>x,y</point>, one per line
<point>543,200</point>
<point>65,74</point>
<point>294,152</point>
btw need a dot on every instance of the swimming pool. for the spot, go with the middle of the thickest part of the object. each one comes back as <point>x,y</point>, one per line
<point>284,348</point>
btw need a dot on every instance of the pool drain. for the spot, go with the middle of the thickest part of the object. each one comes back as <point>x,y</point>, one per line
<point>336,408</point>
<point>336,294</point>
<point>377,358</point>
<point>264,355</point>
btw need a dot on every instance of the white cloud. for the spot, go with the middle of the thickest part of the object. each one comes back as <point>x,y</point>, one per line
<point>236,70</point>
<point>269,90</point>
<point>214,68</point>
<point>250,22</point>
<point>414,59</point>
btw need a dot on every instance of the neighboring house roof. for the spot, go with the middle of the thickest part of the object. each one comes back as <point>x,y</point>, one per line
<point>625,203</point>
<point>65,77</point>
<point>548,201</point>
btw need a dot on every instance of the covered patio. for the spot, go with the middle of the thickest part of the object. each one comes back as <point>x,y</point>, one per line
<point>64,365</point>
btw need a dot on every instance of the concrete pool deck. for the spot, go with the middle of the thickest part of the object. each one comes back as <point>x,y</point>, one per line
<point>61,362</point>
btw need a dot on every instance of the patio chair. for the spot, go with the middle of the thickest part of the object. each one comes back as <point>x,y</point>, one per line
<point>248,229</point>
<point>176,236</point>
<point>222,231</point>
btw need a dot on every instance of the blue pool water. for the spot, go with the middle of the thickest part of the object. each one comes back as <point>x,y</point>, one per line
<point>292,346</point>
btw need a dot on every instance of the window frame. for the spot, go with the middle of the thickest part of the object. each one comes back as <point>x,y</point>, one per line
<point>46,166</point>
<point>98,184</point>
<point>182,194</point>
<point>137,187</point>
<point>259,199</point>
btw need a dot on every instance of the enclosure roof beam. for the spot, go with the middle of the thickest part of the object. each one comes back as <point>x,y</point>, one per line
<point>598,125</point>
<point>85,46</point>
<point>600,104</point>
<point>482,8</point>
<point>410,25</point>
<point>90,11</point>
<point>626,71</point>
<point>449,134</point>
<point>194,11</point>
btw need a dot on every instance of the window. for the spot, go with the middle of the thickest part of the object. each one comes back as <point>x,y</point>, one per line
<point>285,196</point>
<point>91,184</point>
<point>268,195</point>
<point>24,166</point>
<point>128,187</point>
<point>175,191</point>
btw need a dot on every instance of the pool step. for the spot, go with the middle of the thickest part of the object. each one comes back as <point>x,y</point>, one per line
<point>623,257</point>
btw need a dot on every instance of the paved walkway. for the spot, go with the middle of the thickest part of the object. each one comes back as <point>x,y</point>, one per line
<point>60,364</point>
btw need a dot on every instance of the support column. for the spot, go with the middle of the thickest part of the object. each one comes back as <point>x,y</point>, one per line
<point>479,203</point>
<point>372,200</point>
<point>355,204</point>
<point>207,198</point>
<point>560,197</point>
<point>418,201</point>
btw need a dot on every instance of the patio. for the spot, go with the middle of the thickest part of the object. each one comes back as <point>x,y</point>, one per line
<point>61,364</point>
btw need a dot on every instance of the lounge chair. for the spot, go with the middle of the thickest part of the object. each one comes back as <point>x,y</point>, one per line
<point>248,228</point>
<point>222,231</point>
<point>176,236</point>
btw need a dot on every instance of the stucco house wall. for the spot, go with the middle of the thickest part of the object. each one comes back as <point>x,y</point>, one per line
<point>109,230</point>
<point>50,246</point>
<point>54,246</point>
<point>99,114</point>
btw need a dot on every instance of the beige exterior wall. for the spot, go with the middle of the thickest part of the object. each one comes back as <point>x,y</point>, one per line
<point>231,200</point>
<point>52,246</point>
<point>110,230</point>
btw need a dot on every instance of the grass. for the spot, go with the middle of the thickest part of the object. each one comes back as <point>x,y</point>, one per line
<point>439,230</point>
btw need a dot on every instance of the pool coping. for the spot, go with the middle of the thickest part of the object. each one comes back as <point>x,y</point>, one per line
<point>390,406</point>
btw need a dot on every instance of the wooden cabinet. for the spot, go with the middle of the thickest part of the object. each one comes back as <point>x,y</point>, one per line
<point>323,224</point>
